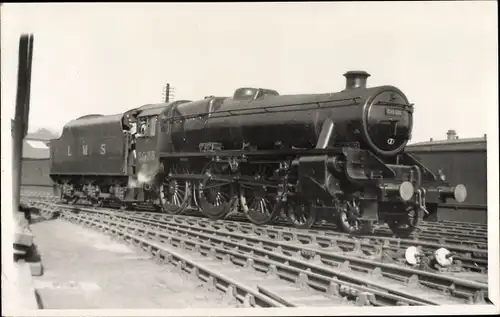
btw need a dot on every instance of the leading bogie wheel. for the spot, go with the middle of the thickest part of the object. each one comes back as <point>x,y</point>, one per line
<point>404,225</point>
<point>347,225</point>
<point>349,218</point>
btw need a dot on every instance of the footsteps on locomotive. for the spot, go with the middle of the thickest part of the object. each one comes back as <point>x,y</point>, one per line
<point>338,157</point>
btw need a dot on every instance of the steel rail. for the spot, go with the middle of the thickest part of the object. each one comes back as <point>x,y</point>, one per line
<point>453,226</point>
<point>456,287</point>
<point>213,278</point>
<point>432,236</point>
<point>472,259</point>
<point>442,238</point>
<point>340,286</point>
<point>424,231</point>
<point>465,224</point>
<point>269,283</point>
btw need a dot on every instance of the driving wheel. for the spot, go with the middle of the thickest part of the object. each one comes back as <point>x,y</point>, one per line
<point>175,193</point>
<point>215,197</point>
<point>301,214</point>
<point>260,202</point>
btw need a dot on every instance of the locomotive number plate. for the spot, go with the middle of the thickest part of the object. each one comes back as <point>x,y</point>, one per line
<point>146,156</point>
<point>393,112</point>
<point>210,147</point>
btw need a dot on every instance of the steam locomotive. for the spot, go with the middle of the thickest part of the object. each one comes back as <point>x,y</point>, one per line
<point>338,157</point>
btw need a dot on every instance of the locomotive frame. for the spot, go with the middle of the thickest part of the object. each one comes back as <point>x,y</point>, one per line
<point>338,157</point>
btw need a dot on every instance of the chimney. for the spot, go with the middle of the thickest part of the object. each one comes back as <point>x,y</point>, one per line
<point>451,135</point>
<point>355,79</point>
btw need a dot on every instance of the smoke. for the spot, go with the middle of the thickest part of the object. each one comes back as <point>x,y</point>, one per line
<point>133,183</point>
<point>145,176</point>
<point>141,180</point>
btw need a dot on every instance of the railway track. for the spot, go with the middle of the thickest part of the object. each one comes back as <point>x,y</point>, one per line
<point>470,255</point>
<point>316,275</point>
<point>427,233</point>
<point>190,265</point>
<point>388,250</point>
<point>473,236</point>
<point>383,249</point>
<point>440,235</point>
<point>465,224</point>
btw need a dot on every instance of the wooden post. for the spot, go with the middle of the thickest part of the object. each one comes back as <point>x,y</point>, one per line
<point>21,115</point>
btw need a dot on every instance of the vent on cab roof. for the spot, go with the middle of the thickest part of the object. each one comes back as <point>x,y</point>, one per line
<point>90,116</point>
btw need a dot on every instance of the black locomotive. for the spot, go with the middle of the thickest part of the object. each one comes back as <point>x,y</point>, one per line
<point>335,156</point>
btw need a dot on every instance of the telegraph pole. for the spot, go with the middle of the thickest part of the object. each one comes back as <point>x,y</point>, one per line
<point>168,93</point>
<point>20,123</point>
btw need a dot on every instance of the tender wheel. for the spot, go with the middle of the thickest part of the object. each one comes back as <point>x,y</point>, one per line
<point>215,198</point>
<point>65,199</point>
<point>175,194</point>
<point>403,227</point>
<point>72,200</point>
<point>302,215</point>
<point>125,206</point>
<point>97,202</point>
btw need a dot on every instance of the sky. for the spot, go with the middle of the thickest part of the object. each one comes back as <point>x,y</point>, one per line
<point>109,57</point>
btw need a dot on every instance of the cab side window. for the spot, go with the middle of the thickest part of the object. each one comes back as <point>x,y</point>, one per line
<point>146,127</point>
<point>151,127</point>
<point>141,127</point>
